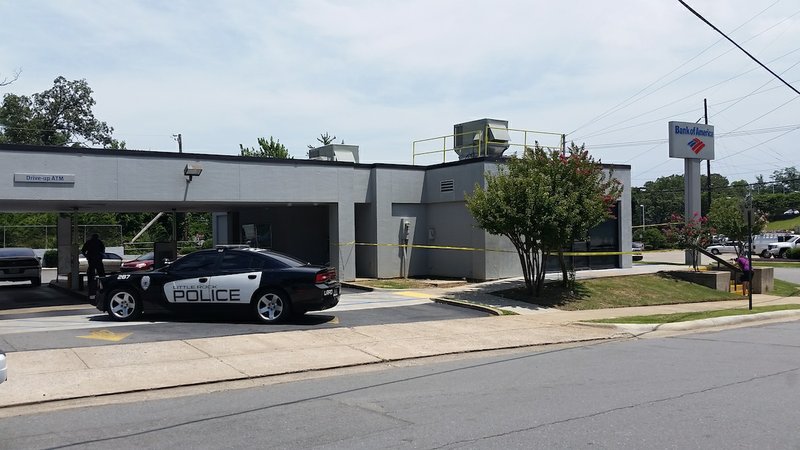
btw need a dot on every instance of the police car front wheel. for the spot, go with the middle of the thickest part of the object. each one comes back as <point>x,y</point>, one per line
<point>123,305</point>
<point>271,306</point>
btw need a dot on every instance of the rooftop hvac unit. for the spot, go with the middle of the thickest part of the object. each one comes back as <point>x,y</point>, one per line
<point>335,152</point>
<point>484,137</point>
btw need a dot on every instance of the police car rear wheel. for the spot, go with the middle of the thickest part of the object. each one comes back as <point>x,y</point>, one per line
<point>272,306</point>
<point>123,305</point>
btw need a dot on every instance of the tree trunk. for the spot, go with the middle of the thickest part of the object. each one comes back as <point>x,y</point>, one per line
<point>563,263</point>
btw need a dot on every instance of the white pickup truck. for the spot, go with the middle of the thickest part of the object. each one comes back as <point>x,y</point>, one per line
<point>779,249</point>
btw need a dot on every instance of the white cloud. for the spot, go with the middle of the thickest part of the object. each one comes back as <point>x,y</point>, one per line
<point>381,74</point>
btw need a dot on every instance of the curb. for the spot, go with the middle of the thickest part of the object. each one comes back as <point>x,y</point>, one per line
<point>637,329</point>
<point>356,286</point>
<point>476,306</point>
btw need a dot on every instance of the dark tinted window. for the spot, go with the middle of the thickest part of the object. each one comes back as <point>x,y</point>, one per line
<point>270,263</point>
<point>199,261</point>
<point>284,260</point>
<point>240,261</point>
<point>16,252</point>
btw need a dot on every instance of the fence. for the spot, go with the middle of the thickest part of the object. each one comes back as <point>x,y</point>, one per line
<point>441,149</point>
<point>45,236</point>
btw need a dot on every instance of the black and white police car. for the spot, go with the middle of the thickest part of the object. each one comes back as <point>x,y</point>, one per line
<point>273,285</point>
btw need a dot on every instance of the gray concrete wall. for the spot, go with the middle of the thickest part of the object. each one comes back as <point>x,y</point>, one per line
<point>393,185</point>
<point>328,193</point>
<point>623,174</point>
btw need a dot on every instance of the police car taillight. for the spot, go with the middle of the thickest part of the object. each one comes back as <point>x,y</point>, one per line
<point>325,276</point>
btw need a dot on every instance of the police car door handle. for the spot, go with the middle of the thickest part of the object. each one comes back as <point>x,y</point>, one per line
<point>251,277</point>
<point>203,280</point>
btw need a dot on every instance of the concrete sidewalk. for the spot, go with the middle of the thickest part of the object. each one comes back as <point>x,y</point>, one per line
<point>73,373</point>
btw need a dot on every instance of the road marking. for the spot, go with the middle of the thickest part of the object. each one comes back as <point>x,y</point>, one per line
<point>414,294</point>
<point>106,335</point>
<point>38,309</point>
<point>61,323</point>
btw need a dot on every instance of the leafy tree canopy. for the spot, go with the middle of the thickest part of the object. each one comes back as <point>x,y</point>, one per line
<point>271,148</point>
<point>543,201</point>
<point>727,218</point>
<point>59,116</point>
<point>323,139</point>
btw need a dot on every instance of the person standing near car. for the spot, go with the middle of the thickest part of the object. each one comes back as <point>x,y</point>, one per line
<point>93,250</point>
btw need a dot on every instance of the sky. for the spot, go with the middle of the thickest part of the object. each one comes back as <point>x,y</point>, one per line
<point>382,74</point>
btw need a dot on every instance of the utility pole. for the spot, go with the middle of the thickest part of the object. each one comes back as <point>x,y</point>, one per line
<point>180,142</point>
<point>708,161</point>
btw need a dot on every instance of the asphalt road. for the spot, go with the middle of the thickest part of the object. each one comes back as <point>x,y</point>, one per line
<point>36,318</point>
<point>731,389</point>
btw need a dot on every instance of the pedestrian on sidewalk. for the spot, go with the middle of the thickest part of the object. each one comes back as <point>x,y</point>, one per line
<point>94,250</point>
<point>747,272</point>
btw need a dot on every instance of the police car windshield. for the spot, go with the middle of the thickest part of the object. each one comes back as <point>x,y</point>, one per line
<point>286,259</point>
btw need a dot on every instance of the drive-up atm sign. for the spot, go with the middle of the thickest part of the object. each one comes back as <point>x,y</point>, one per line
<point>691,140</point>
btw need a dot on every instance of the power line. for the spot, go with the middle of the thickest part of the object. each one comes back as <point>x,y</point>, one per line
<point>623,104</point>
<point>738,46</point>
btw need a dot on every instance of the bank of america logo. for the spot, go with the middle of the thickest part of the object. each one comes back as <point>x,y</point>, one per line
<point>696,145</point>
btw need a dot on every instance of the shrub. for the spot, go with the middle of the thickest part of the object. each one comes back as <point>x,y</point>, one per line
<point>793,253</point>
<point>654,239</point>
<point>186,250</point>
<point>50,258</point>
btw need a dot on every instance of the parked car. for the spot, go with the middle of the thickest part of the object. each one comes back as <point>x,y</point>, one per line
<point>637,247</point>
<point>20,264</point>
<point>143,262</point>
<point>761,243</point>
<point>111,263</point>
<point>728,247</point>
<point>3,367</point>
<point>781,249</point>
<point>273,286</point>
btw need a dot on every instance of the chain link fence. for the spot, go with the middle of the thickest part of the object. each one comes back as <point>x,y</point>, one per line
<point>45,236</point>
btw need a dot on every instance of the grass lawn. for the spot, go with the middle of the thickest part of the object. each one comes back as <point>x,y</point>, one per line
<point>785,289</point>
<point>618,292</point>
<point>787,224</point>
<point>685,317</point>
<point>776,263</point>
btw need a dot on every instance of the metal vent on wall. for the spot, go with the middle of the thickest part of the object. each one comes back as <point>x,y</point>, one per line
<point>446,185</point>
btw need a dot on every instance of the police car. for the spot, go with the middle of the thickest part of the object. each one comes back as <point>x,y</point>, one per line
<point>272,285</point>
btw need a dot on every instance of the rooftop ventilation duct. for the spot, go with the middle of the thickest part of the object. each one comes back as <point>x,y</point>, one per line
<point>335,152</point>
<point>484,137</point>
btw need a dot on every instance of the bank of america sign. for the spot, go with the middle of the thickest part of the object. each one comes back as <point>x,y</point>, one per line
<point>691,140</point>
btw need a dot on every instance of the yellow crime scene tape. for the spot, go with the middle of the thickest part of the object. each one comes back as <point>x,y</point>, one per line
<point>448,247</point>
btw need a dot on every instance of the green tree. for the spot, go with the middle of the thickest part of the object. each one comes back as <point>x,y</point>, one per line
<point>59,116</point>
<point>323,139</point>
<point>690,234</point>
<point>662,198</point>
<point>541,202</point>
<point>586,197</point>
<point>787,178</point>
<point>727,218</point>
<point>266,149</point>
